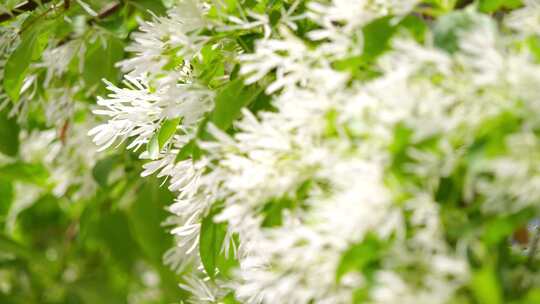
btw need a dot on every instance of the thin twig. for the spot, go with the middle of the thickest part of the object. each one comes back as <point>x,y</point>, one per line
<point>101,15</point>
<point>106,12</point>
<point>29,5</point>
<point>63,132</point>
<point>36,19</point>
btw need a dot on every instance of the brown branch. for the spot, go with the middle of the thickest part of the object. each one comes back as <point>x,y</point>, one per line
<point>101,15</point>
<point>33,4</point>
<point>36,19</point>
<point>106,12</point>
<point>28,6</point>
<point>63,132</point>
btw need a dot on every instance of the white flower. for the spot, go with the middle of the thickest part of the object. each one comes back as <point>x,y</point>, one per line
<point>525,20</point>
<point>137,111</point>
<point>200,290</point>
<point>325,154</point>
<point>162,40</point>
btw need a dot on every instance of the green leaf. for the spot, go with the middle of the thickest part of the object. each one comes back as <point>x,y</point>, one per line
<point>230,101</point>
<point>227,262</point>
<point>533,296</point>
<point>117,239</point>
<point>100,59</point>
<point>273,210</point>
<point>501,228</point>
<point>377,36</point>
<point>533,43</point>
<point>155,6</point>
<point>6,197</point>
<point>167,130</point>
<point>41,217</point>
<point>441,6</point>
<point>449,27</point>
<point>489,6</point>
<point>229,299</point>
<point>32,45</point>
<point>25,172</point>
<point>188,150</point>
<point>160,138</point>
<point>102,169</point>
<point>362,257</point>
<point>11,246</point>
<point>210,242</point>
<point>247,41</point>
<point>210,66</point>
<point>153,146</point>
<point>416,26</point>
<point>145,216</point>
<point>485,286</point>
<point>9,135</point>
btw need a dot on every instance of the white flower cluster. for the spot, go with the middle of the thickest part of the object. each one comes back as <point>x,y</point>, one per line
<point>326,155</point>
<point>158,81</point>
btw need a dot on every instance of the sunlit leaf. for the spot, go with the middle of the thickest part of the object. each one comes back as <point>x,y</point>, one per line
<point>230,101</point>
<point>32,45</point>
<point>210,242</point>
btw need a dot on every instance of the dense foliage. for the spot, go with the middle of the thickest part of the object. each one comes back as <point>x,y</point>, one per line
<point>275,151</point>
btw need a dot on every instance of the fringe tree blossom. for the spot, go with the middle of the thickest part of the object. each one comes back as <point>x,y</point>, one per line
<point>314,165</point>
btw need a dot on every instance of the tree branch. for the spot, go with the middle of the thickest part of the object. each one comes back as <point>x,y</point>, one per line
<point>106,12</point>
<point>101,15</point>
<point>28,6</point>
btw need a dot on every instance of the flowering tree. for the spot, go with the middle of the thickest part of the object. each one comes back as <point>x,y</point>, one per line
<point>345,151</point>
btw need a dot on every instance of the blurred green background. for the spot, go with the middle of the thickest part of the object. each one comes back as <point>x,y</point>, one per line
<point>100,244</point>
<point>106,249</point>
